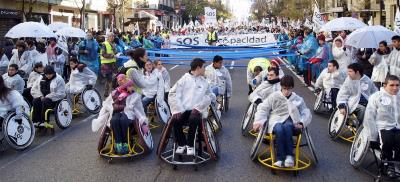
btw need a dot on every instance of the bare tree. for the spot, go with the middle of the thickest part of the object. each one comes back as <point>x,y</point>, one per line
<point>81,5</point>
<point>30,4</point>
<point>114,6</point>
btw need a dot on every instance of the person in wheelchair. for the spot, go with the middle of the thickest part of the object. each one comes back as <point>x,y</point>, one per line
<point>35,75</point>
<point>215,72</point>
<point>266,88</point>
<point>330,80</point>
<point>46,92</point>
<point>189,99</point>
<point>165,76</point>
<point>13,80</point>
<point>287,113</point>
<point>155,85</point>
<point>81,77</point>
<point>255,79</point>
<point>382,119</point>
<point>355,91</point>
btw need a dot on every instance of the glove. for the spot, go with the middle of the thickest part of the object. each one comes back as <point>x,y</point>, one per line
<point>177,116</point>
<point>317,90</point>
<point>196,112</point>
<point>258,101</point>
<point>89,87</point>
<point>375,145</point>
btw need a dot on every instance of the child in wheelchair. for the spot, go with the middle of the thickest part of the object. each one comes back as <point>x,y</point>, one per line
<point>155,85</point>
<point>10,100</point>
<point>189,99</point>
<point>382,119</point>
<point>35,75</point>
<point>13,80</point>
<point>216,75</point>
<point>355,92</point>
<point>330,80</point>
<point>287,113</point>
<point>81,77</point>
<point>46,92</point>
<point>266,88</point>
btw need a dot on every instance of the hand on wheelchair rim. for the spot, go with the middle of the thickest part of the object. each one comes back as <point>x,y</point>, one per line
<point>89,87</point>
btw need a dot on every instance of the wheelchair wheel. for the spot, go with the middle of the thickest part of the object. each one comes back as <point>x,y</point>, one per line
<point>336,123</point>
<point>310,145</point>
<point>145,139</point>
<point>216,116</point>
<point>318,101</point>
<point>359,148</point>
<point>225,101</point>
<point>18,135</point>
<point>162,111</point>
<point>91,100</point>
<point>248,118</point>
<point>257,142</point>
<point>210,140</point>
<point>104,135</point>
<point>63,114</point>
<point>165,137</point>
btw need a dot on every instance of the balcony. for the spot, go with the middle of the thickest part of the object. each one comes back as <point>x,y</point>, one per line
<point>165,8</point>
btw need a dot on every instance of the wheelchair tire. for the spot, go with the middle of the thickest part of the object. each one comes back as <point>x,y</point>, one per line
<point>165,137</point>
<point>226,101</point>
<point>318,101</point>
<point>91,100</point>
<point>104,135</point>
<point>18,136</point>
<point>310,145</point>
<point>145,139</point>
<point>257,142</point>
<point>359,148</point>
<point>210,139</point>
<point>248,118</point>
<point>63,114</point>
<point>336,124</point>
<point>216,117</point>
<point>162,110</point>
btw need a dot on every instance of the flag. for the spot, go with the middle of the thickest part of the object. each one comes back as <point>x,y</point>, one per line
<point>397,22</point>
<point>137,28</point>
<point>370,21</point>
<point>308,24</point>
<point>317,19</point>
<point>41,21</point>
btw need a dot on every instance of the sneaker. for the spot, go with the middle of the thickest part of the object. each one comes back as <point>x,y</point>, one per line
<point>278,164</point>
<point>180,149</point>
<point>390,170</point>
<point>118,148</point>
<point>125,148</point>
<point>289,162</point>
<point>190,151</point>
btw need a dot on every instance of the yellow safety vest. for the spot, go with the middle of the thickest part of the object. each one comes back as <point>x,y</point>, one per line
<point>211,36</point>
<point>129,75</point>
<point>109,50</point>
<point>126,37</point>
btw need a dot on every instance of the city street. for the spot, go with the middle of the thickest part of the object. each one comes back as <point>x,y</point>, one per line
<point>71,155</point>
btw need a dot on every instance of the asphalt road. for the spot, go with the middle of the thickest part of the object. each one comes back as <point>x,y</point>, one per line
<point>71,155</point>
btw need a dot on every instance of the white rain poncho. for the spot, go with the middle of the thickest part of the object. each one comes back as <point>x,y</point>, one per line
<point>79,79</point>
<point>327,81</point>
<point>136,74</point>
<point>394,62</point>
<point>155,84</point>
<point>382,113</point>
<point>343,57</point>
<point>351,90</point>
<point>190,92</point>
<point>133,110</point>
<point>277,109</point>
<point>380,69</point>
<point>166,78</point>
<point>4,62</point>
<point>33,77</point>
<point>57,89</point>
<point>24,62</point>
<point>13,102</point>
<point>57,63</point>
<point>263,91</point>
<point>14,82</point>
<point>219,78</point>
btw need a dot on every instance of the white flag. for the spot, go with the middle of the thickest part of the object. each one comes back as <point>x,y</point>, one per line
<point>307,23</point>
<point>397,22</point>
<point>317,19</point>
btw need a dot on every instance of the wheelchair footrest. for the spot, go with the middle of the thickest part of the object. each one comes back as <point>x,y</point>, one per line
<point>172,158</point>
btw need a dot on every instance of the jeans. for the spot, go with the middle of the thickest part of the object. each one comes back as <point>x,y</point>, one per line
<point>359,112</point>
<point>146,102</point>
<point>39,108</point>
<point>334,92</point>
<point>194,120</point>
<point>283,137</point>
<point>390,140</point>
<point>119,125</point>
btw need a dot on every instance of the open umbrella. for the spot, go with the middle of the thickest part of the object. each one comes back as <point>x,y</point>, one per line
<point>30,29</point>
<point>71,32</point>
<point>56,26</point>
<point>369,37</point>
<point>343,23</point>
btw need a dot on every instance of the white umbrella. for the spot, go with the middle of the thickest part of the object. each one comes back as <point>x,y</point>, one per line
<point>71,32</point>
<point>369,37</point>
<point>343,23</point>
<point>55,26</point>
<point>30,29</point>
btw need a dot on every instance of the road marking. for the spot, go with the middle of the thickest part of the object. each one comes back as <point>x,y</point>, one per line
<point>45,143</point>
<point>175,66</point>
<point>232,64</point>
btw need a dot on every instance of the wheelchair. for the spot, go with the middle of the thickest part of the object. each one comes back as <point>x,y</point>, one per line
<point>62,115</point>
<point>138,142</point>
<point>248,119</point>
<point>358,156</point>
<point>18,135</point>
<point>89,99</point>
<point>267,157</point>
<point>344,127</point>
<point>204,139</point>
<point>158,109</point>
<point>322,102</point>
<point>222,98</point>
<point>214,115</point>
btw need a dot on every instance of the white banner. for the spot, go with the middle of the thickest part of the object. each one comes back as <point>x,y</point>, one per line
<point>230,40</point>
<point>397,22</point>
<point>210,15</point>
<point>317,19</point>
